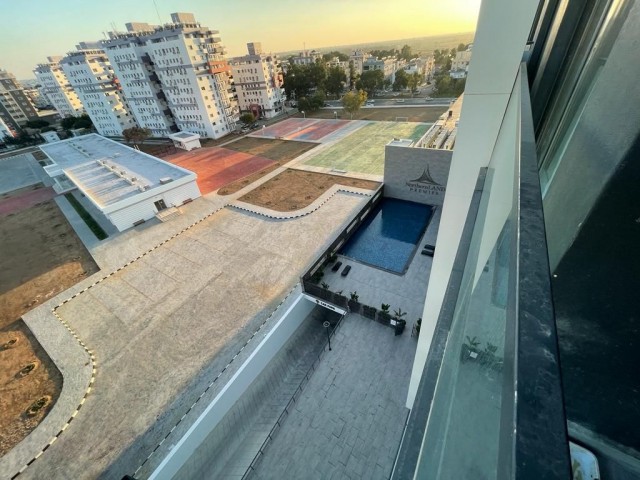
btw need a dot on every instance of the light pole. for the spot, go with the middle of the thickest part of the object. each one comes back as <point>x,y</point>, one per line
<point>335,115</point>
<point>304,115</point>
<point>327,325</point>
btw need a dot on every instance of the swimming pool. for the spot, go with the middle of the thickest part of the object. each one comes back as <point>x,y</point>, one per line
<point>388,237</point>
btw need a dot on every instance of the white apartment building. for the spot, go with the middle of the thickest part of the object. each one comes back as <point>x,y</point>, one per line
<point>460,64</point>
<point>358,57</point>
<point>92,77</point>
<point>258,82</point>
<point>15,106</point>
<point>128,55</point>
<point>175,77</point>
<point>388,65</point>
<point>306,58</point>
<point>5,131</point>
<point>55,87</point>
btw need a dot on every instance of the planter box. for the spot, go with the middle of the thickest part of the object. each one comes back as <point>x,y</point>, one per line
<point>354,306</point>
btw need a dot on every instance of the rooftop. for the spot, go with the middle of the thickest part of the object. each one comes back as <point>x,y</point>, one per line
<point>108,171</point>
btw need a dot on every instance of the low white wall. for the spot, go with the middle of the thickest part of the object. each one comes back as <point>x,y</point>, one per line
<point>232,391</point>
<point>145,209</point>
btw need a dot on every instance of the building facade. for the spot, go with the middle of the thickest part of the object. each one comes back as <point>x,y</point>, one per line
<point>258,81</point>
<point>55,87</point>
<point>92,77</point>
<point>15,106</point>
<point>175,77</point>
<point>460,64</point>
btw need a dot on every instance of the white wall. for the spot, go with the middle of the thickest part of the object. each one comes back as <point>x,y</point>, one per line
<point>231,392</point>
<point>498,49</point>
<point>145,209</point>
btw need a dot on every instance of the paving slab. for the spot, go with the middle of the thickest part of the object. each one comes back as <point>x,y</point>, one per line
<point>365,358</point>
<point>154,330</point>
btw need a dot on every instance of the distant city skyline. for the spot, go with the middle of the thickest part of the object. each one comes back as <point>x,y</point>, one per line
<point>29,34</point>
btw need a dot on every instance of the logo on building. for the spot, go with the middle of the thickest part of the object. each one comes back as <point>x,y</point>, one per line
<point>425,184</point>
<point>425,178</point>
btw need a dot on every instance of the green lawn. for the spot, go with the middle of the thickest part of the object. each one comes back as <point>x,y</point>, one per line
<point>363,150</point>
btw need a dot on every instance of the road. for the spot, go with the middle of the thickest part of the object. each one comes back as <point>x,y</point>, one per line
<point>402,102</point>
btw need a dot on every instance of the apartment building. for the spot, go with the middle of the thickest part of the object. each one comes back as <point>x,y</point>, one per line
<point>258,81</point>
<point>175,77</point>
<point>460,64</point>
<point>92,77</point>
<point>388,66</point>
<point>5,131</point>
<point>357,58</point>
<point>305,58</point>
<point>55,87</point>
<point>132,65</point>
<point>15,106</point>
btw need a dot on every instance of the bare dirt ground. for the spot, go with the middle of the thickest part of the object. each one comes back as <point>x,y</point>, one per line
<point>282,151</point>
<point>41,256</point>
<point>295,189</point>
<point>414,114</point>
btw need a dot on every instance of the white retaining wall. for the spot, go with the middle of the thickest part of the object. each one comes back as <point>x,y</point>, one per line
<point>229,395</point>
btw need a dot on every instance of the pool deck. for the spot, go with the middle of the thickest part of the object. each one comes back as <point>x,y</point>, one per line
<point>375,286</point>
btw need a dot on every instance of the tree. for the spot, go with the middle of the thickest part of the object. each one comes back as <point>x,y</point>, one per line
<point>449,87</point>
<point>413,81</point>
<point>405,53</point>
<point>462,47</point>
<point>136,134</point>
<point>247,118</point>
<point>352,101</point>
<point>335,79</point>
<point>83,121</point>
<point>387,83</point>
<point>68,123</point>
<point>370,81</point>
<point>401,82</point>
<point>317,73</point>
<point>312,103</point>
<point>352,75</point>
<point>37,124</point>
<point>331,55</point>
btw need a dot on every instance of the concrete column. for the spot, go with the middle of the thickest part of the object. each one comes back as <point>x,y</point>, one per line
<point>500,40</point>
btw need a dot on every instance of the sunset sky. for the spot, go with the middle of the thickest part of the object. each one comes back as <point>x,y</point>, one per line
<point>31,31</point>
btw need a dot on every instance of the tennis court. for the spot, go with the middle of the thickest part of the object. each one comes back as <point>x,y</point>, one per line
<point>301,129</point>
<point>216,166</point>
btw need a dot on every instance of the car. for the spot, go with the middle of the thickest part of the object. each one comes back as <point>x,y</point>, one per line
<point>370,103</point>
<point>327,105</point>
<point>254,126</point>
<point>399,100</point>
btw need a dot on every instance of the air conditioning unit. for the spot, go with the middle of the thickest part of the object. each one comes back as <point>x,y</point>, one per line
<point>133,179</point>
<point>142,188</point>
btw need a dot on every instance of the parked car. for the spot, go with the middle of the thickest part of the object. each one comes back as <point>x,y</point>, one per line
<point>399,100</point>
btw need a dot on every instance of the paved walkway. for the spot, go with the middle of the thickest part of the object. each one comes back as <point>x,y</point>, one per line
<point>155,324</point>
<point>349,420</point>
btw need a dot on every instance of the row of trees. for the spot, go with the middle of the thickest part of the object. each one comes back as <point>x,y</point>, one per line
<point>301,80</point>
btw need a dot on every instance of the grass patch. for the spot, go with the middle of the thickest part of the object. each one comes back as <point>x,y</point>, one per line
<point>295,189</point>
<point>86,216</point>
<point>363,150</point>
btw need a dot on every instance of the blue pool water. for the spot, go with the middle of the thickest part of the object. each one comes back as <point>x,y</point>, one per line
<point>388,237</point>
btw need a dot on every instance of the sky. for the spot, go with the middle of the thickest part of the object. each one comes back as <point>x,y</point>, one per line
<point>34,29</point>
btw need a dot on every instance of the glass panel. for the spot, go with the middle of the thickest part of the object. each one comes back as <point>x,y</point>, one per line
<point>579,79</point>
<point>471,417</point>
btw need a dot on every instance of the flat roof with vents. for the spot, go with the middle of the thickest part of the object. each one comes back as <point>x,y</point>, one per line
<point>109,172</point>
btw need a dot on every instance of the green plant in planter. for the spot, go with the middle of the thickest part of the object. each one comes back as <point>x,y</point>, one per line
<point>473,343</point>
<point>385,307</point>
<point>418,325</point>
<point>339,292</point>
<point>325,285</point>
<point>398,314</point>
<point>354,296</point>
<point>470,349</point>
<point>332,258</point>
